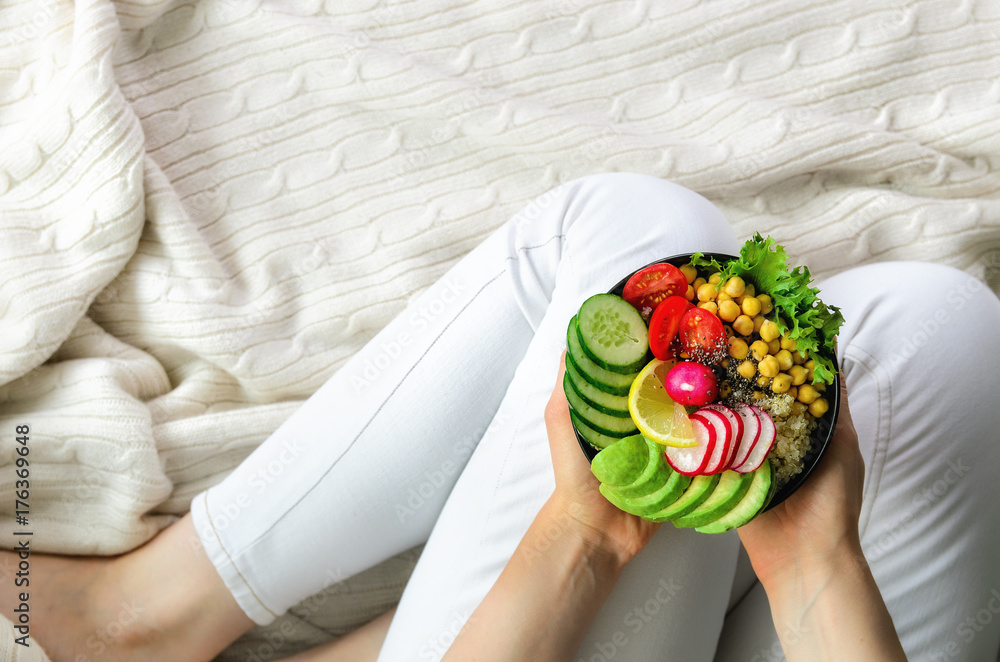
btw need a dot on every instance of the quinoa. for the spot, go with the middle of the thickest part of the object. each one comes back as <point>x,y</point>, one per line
<point>794,437</point>
<point>794,431</point>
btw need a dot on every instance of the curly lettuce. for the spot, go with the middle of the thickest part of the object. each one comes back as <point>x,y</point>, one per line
<point>798,311</point>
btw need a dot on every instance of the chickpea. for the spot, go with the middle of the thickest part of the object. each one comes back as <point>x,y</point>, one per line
<point>706,292</point>
<point>722,296</point>
<point>735,286</point>
<point>698,282</point>
<point>728,310</point>
<point>784,359</point>
<point>690,273</point>
<point>763,381</point>
<point>792,392</point>
<point>798,408</point>
<point>738,348</point>
<point>788,343</point>
<point>747,369</point>
<point>773,346</point>
<point>769,331</point>
<point>725,390</point>
<point>710,306</point>
<point>810,367</point>
<point>689,295</point>
<point>766,305</point>
<point>782,382</point>
<point>798,358</point>
<point>758,322</point>
<point>807,394</point>
<point>759,349</point>
<point>768,367</point>
<point>715,278</point>
<point>725,362</point>
<point>798,374</point>
<point>749,291</point>
<point>743,325</point>
<point>759,395</point>
<point>751,306</point>
<point>819,407</point>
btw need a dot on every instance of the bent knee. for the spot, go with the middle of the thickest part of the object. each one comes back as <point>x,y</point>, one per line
<point>914,306</point>
<point>630,211</point>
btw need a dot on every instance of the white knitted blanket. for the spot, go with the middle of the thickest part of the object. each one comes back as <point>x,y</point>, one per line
<point>207,208</point>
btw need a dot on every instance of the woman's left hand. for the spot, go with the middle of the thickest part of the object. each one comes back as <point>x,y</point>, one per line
<point>577,499</point>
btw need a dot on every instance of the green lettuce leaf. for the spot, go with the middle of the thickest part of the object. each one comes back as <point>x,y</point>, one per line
<point>798,310</point>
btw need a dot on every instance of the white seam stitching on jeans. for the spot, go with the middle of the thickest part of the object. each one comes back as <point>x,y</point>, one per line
<point>528,248</point>
<point>517,428</point>
<point>232,561</point>
<point>881,450</point>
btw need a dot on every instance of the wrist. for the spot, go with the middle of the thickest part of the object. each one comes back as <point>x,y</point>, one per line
<point>830,608</point>
<point>807,571</point>
<point>560,519</point>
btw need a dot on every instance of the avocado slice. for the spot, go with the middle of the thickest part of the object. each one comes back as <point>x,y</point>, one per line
<point>727,493</point>
<point>623,462</point>
<point>749,506</point>
<point>654,475</point>
<point>698,490</point>
<point>643,505</point>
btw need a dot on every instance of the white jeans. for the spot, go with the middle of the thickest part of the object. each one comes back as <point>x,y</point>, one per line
<point>433,432</point>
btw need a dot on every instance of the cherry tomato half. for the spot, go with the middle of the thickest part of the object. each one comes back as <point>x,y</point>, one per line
<point>663,326</point>
<point>702,336</point>
<point>647,288</point>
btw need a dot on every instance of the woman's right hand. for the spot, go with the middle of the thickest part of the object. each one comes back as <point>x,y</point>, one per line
<point>806,552</point>
<point>818,525</point>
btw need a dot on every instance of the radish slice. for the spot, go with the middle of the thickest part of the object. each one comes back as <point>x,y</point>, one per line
<point>736,425</point>
<point>690,460</point>
<point>768,435</point>
<point>751,430</point>
<point>723,439</point>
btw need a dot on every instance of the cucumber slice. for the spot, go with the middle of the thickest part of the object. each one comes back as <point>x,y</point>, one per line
<point>612,333</point>
<point>731,488</point>
<point>598,377</point>
<point>598,440</point>
<point>749,505</point>
<point>622,463</point>
<point>612,426</point>
<point>667,494</point>
<point>700,488</point>
<point>613,405</point>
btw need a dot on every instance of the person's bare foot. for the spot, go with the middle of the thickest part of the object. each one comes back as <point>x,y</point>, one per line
<point>162,601</point>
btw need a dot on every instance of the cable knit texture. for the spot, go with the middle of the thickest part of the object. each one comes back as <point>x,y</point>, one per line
<point>208,207</point>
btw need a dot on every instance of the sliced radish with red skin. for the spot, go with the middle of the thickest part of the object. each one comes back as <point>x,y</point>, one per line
<point>735,425</point>
<point>690,460</point>
<point>751,431</point>
<point>768,435</point>
<point>723,439</point>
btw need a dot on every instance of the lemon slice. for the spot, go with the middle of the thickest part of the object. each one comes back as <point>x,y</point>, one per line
<point>654,412</point>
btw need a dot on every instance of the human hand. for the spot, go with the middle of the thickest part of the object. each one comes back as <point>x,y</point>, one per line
<point>818,525</point>
<point>577,498</point>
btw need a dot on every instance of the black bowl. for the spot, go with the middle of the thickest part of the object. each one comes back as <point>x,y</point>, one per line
<point>825,425</point>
